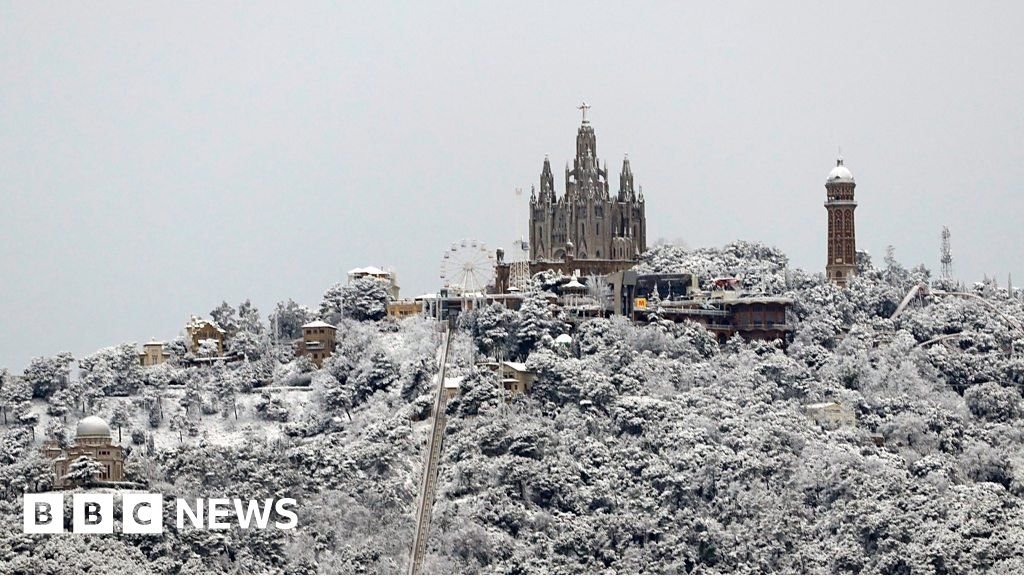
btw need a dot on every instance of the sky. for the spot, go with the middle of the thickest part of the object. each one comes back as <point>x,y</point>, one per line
<point>157,159</point>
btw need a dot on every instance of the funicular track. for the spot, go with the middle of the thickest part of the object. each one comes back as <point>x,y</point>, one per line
<point>429,482</point>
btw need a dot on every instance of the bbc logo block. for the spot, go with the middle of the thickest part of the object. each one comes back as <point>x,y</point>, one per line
<point>93,514</point>
<point>43,514</point>
<point>143,513</point>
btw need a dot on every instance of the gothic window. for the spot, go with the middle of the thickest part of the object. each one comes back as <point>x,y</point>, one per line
<point>597,226</point>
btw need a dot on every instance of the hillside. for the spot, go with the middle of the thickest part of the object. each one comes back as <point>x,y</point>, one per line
<point>641,448</point>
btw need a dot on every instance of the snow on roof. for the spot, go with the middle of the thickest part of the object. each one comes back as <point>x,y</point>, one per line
<point>759,300</point>
<point>196,323</point>
<point>93,426</point>
<point>574,283</point>
<point>840,173</point>
<point>517,366</point>
<point>319,324</point>
<point>370,270</point>
<point>452,382</point>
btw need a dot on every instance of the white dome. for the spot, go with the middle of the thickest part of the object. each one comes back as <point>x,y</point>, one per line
<point>840,173</point>
<point>93,426</point>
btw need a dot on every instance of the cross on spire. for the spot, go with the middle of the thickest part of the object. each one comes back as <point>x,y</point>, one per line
<point>584,107</point>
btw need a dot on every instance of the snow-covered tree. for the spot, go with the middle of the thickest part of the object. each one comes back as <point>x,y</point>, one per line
<point>332,305</point>
<point>536,324</point>
<point>492,328</point>
<point>249,319</point>
<point>226,317</point>
<point>84,471</point>
<point>250,345</point>
<point>113,371</point>
<point>366,299</point>
<point>288,318</point>
<point>120,417</point>
<point>13,393</point>
<point>59,434</point>
<point>47,375</point>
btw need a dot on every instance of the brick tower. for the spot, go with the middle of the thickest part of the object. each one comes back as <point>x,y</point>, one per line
<point>842,238</point>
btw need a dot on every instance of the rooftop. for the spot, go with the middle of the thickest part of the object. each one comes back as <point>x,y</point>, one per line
<point>840,173</point>
<point>319,324</point>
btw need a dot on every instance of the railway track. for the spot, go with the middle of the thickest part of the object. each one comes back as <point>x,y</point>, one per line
<point>428,484</point>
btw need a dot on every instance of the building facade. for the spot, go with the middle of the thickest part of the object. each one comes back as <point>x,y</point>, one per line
<point>723,311</point>
<point>515,377</point>
<point>587,222</point>
<point>842,237</point>
<point>153,353</point>
<point>92,439</point>
<point>403,309</point>
<point>319,339</point>
<point>199,330</point>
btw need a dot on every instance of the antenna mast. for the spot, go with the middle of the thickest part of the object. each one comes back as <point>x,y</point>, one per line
<point>947,256</point>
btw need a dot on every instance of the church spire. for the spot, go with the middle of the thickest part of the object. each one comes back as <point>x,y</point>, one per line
<point>547,182</point>
<point>626,192</point>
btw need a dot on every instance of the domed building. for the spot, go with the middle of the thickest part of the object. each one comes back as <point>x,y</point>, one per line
<point>92,439</point>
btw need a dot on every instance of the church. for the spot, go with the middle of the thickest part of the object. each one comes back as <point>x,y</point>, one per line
<point>587,222</point>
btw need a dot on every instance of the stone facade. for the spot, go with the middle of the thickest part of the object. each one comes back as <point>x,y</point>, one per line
<point>842,237</point>
<point>93,439</point>
<point>587,222</point>
<point>153,353</point>
<point>199,330</point>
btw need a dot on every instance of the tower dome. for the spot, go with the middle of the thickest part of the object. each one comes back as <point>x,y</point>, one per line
<point>93,426</point>
<point>840,173</point>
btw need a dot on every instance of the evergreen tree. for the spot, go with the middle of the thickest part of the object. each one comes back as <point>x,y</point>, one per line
<point>84,471</point>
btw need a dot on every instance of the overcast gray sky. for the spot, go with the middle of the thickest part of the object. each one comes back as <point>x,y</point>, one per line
<point>158,159</point>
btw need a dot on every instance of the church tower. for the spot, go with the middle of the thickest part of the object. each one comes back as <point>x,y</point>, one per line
<point>588,222</point>
<point>842,238</point>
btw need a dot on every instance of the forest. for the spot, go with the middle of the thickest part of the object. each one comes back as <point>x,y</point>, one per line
<point>645,448</point>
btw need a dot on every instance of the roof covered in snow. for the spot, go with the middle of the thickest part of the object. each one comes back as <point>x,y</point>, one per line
<point>319,324</point>
<point>574,283</point>
<point>93,426</point>
<point>517,366</point>
<point>370,271</point>
<point>840,173</point>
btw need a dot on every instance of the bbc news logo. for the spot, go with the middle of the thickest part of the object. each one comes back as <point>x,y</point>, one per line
<point>144,513</point>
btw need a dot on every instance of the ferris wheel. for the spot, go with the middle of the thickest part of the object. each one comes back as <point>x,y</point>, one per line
<point>467,267</point>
